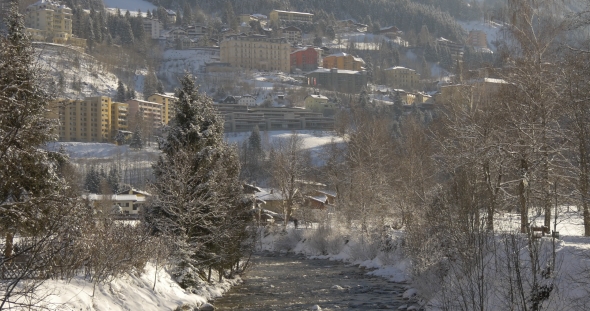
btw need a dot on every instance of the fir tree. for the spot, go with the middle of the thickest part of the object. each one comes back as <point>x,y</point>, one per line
<point>136,140</point>
<point>121,96</point>
<point>199,199</point>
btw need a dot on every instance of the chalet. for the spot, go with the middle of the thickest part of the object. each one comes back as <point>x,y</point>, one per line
<point>118,204</point>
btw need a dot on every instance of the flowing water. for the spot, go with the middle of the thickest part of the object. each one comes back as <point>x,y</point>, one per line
<point>291,282</point>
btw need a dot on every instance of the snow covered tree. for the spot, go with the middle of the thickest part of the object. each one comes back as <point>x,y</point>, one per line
<point>198,197</point>
<point>136,140</point>
<point>120,92</point>
<point>33,194</point>
<point>93,180</point>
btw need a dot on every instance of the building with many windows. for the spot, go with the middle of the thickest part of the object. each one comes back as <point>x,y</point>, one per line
<point>167,102</point>
<point>346,81</point>
<point>344,61</point>
<point>307,58</point>
<point>402,78</point>
<point>94,119</point>
<point>47,20</point>
<point>150,111</point>
<point>256,52</point>
<point>279,16</point>
<point>292,34</point>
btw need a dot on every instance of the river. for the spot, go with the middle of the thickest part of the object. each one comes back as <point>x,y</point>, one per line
<point>291,282</point>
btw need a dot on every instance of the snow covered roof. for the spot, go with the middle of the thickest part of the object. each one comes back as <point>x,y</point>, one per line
<point>320,198</point>
<point>269,194</point>
<point>325,70</point>
<point>339,54</point>
<point>293,12</point>
<point>327,192</point>
<point>318,96</point>
<point>115,197</point>
<point>398,68</point>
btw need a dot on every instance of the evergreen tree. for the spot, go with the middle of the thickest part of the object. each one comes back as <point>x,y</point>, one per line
<point>33,193</point>
<point>121,96</point>
<point>150,84</point>
<point>92,181</point>
<point>198,194</point>
<point>136,140</point>
<point>126,33</point>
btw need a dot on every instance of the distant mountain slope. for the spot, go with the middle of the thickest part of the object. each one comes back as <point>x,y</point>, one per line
<point>405,14</point>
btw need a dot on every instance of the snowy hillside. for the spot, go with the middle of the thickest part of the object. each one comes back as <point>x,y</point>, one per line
<point>77,74</point>
<point>176,63</point>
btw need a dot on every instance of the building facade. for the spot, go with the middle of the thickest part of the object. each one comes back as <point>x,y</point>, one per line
<point>344,61</point>
<point>151,111</point>
<point>167,102</point>
<point>94,119</point>
<point>402,78</point>
<point>48,20</point>
<point>152,28</point>
<point>478,39</point>
<point>308,58</point>
<point>256,52</point>
<point>345,81</point>
<point>279,16</point>
<point>292,34</point>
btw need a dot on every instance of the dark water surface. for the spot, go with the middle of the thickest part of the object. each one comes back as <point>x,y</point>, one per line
<point>291,282</point>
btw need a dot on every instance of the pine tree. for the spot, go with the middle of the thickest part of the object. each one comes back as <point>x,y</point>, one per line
<point>198,194</point>
<point>136,140</point>
<point>92,181</point>
<point>150,84</point>
<point>126,33</point>
<point>121,96</point>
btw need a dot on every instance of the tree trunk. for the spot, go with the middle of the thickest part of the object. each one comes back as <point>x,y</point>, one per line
<point>9,246</point>
<point>522,198</point>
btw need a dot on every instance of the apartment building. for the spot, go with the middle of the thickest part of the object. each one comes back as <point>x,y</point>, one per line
<point>346,81</point>
<point>152,28</point>
<point>94,119</point>
<point>478,39</point>
<point>256,52</point>
<point>151,111</point>
<point>240,118</point>
<point>292,34</point>
<point>344,61</point>
<point>279,16</point>
<point>308,58</point>
<point>402,78</point>
<point>167,102</point>
<point>51,21</point>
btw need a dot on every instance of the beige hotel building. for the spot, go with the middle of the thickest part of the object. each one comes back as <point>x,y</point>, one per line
<point>256,52</point>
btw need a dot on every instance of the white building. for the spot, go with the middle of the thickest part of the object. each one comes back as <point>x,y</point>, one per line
<point>247,100</point>
<point>152,27</point>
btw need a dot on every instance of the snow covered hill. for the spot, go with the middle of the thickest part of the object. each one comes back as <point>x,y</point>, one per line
<point>77,74</point>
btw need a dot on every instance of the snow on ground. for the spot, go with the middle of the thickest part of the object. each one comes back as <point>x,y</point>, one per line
<point>312,140</point>
<point>344,244</point>
<point>176,63</point>
<point>60,60</point>
<point>132,292</point>
<point>77,150</point>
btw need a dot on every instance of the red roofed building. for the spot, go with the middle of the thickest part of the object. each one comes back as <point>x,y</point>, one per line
<point>307,58</point>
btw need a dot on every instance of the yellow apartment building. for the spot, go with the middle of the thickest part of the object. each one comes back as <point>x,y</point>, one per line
<point>278,16</point>
<point>151,110</point>
<point>167,103</point>
<point>119,118</point>
<point>83,120</point>
<point>344,61</point>
<point>256,52</point>
<point>51,21</point>
<point>402,78</point>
